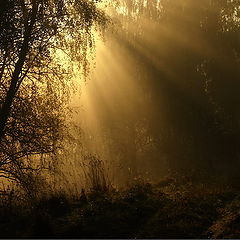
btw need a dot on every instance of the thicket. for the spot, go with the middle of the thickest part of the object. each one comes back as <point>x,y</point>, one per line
<point>176,207</point>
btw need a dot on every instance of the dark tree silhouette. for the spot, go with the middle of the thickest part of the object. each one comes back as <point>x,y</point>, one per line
<point>34,84</point>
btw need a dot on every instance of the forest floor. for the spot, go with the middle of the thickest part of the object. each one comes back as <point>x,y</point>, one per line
<point>173,208</point>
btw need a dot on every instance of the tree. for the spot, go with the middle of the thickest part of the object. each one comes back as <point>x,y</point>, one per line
<point>189,52</point>
<point>34,85</point>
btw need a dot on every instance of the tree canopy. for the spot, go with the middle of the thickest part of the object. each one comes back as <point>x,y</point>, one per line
<point>34,84</point>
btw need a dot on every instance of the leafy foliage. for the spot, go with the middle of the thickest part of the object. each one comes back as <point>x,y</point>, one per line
<point>35,82</point>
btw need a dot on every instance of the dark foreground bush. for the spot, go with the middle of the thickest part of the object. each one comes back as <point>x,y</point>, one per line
<point>165,210</point>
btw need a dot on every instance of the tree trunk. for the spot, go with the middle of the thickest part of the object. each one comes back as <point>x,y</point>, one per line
<point>15,81</point>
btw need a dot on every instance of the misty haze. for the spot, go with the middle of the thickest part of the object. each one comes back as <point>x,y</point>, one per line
<point>119,119</point>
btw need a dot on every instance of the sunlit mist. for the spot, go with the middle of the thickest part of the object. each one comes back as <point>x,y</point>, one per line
<point>140,107</point>
<point>119,119</point>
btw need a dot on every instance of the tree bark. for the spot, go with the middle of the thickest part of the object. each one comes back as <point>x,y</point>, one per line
<point>6,107</point>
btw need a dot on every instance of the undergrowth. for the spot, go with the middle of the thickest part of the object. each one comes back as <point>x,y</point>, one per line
<point>172,208</point>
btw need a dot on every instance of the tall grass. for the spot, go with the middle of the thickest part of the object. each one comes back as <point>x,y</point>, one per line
<point>95,174</point>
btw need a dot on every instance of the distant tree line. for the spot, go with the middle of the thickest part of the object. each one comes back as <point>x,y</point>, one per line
<point>188,58</point>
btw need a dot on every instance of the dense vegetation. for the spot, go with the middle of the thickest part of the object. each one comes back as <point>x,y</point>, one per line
<point>176,207</point>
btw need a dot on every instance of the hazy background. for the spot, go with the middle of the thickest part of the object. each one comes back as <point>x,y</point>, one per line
<point>163,94</point>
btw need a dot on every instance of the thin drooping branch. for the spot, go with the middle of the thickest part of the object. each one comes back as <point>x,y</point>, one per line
<point>6,107</point>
